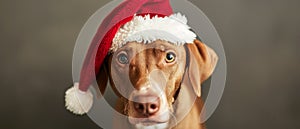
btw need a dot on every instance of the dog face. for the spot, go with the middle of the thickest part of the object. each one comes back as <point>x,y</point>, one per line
<point>155,71</point>
<point>149,76</point>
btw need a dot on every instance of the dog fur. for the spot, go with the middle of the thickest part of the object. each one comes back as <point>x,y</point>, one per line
<point>178,81</point>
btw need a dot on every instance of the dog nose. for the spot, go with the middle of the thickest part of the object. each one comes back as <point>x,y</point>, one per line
<point>146,106</point>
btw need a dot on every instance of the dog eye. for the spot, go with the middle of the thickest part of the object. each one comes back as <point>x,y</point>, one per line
<point>122,58</point>
<point>170,57</point>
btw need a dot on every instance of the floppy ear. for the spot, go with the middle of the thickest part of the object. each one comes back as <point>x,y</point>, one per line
<point>201,61</point>
<point>102,77</point>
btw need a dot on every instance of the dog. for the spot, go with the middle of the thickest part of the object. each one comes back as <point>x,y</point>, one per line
<point>149,78</point>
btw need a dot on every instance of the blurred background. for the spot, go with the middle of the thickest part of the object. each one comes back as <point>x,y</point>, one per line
<point>261,39</point>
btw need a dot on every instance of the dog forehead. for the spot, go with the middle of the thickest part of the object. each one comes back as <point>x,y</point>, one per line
<point>158,44</point>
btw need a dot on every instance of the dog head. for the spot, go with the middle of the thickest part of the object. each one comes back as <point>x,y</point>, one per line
<point>148,76</point>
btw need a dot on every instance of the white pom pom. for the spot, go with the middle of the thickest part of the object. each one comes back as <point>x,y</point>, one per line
<point>77,101</point>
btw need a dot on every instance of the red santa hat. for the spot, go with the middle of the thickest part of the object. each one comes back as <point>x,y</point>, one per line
<point>143,21</point>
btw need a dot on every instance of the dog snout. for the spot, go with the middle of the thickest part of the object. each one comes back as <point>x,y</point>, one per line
<point>146,105</point>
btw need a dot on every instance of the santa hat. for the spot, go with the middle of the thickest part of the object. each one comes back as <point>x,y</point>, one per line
<point>143,21</point>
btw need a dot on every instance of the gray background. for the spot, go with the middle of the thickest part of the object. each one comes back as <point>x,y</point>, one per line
<point>261,39</point>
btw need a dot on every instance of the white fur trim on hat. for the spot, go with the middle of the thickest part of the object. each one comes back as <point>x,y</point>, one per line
<point>77,101</point>
<point>144,29</point>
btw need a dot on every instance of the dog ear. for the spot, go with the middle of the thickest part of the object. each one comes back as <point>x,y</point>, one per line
<point>102,76</point>
<point>201,63</point>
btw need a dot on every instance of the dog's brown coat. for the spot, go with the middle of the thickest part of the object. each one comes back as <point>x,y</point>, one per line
<point>195,63</point>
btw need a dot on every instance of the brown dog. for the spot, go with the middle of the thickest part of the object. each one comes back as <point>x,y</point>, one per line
<point>156,80</point>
